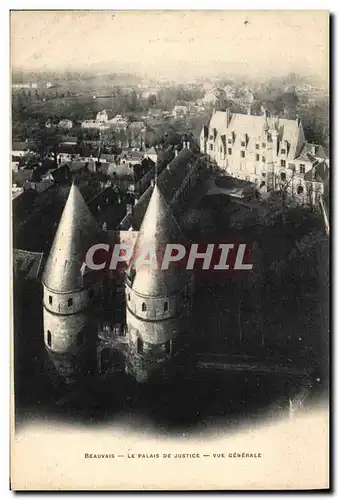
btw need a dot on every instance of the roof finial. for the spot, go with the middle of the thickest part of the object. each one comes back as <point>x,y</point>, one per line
<point>156,174</point>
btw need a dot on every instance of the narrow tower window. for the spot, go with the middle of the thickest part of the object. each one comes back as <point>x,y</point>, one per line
<point>49,338</point>
<point>50,299</point>
<point>143,307</point>
<point>300,190</point>
<point>140,345</point>
<point>165,306</point>
<point>70,302</point>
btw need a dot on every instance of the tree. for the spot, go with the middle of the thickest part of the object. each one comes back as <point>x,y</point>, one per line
<point>47,141</point>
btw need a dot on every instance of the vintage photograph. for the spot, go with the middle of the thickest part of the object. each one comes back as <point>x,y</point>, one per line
<point>170,249</point>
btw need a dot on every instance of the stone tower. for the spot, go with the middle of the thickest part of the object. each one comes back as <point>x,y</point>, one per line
<point>66,297</point>
<point>158,302</point>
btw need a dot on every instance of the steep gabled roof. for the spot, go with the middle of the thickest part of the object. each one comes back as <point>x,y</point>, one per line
<point>76,232</point>
<point>158,228</point>
<point>254,126</point>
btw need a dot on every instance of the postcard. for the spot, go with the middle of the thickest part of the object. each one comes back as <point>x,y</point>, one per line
<point>170,250</point>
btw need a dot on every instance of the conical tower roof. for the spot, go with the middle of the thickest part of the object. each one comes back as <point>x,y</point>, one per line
<point>76,232</point>
<point>158,228</point>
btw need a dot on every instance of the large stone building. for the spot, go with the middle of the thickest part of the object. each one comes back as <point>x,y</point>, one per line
<point>83,315</point>
<point>267,151</point>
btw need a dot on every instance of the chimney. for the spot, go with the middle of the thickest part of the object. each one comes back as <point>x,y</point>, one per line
<point>228,116</point>
<point>274,136</point>
<point>249,111</point>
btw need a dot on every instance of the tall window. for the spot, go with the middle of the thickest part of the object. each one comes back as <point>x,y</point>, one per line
<point>283,151</point>
<point>49,338</point>
<point>257,157</point>
<point>300,190</point>
<point>70,302</point>
<point>143,307</point>
<point>229,151</point>
<point>165,306</point>
<point>283,176</point>
<point>242,154</point>
<point>263,159</point>
<point>282,163</point>
<point>302,169</point>
<point>140,345</point>
<point>211,147</point>
<point>50,299</point>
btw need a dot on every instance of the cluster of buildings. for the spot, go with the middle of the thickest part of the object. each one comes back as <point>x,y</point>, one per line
<point>146,329</point>
<point>270,152</point>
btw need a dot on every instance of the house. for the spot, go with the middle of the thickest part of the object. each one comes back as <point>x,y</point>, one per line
<point>65,124</point>
<point>268,151</point>
<point>152,154</point>
<point>102,116</point>
<point>16,191</point>
<point>179,111</point>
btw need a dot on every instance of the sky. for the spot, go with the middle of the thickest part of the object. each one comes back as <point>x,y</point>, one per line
<point>178,44</point>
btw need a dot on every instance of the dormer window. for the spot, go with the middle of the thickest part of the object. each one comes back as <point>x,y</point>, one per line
<point>242,154</point>
<point>302,169</point>
<point>257,146</point>
<point>243,144</point>
<point>282,163</point>
<point>229,141</point>
<point>283,151</point>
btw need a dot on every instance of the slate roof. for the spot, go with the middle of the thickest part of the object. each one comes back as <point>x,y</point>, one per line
<point>254,126</point>
<point>27,264</point>
<point>158,228</point>
<point>76,232</point>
